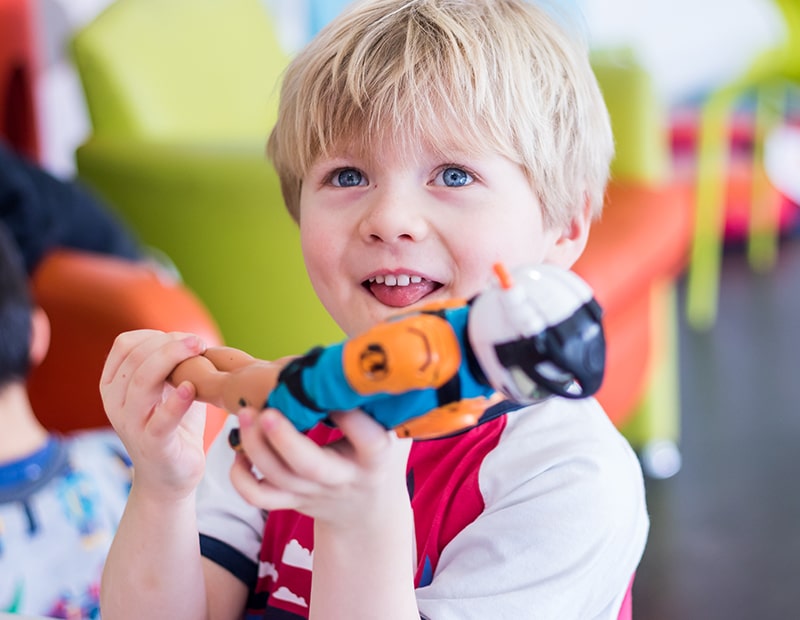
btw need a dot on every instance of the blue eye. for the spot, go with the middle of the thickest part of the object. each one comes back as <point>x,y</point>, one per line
<point>347,177</point>
<point>456,177</point>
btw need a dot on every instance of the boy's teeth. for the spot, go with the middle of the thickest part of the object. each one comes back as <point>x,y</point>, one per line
<point>398,280</point>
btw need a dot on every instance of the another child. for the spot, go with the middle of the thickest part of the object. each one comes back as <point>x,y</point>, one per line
<point>418,143</point>
<point>60,498</point>
<point>44,213</point>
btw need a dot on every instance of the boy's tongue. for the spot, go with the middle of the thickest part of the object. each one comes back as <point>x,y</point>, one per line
<point>401,296</point>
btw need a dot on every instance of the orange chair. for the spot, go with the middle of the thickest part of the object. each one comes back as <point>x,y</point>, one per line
<point>632,260</point>
<point>90,299</point>
<point>638,246</point>
<point>17,75</point>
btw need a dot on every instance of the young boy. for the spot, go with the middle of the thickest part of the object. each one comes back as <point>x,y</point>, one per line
<point>60,498</point>
<point>418,143</point>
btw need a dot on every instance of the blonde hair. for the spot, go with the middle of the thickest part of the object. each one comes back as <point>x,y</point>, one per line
<point>482,75</point>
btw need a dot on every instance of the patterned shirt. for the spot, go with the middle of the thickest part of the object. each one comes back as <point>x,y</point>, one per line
<point>59,509</point>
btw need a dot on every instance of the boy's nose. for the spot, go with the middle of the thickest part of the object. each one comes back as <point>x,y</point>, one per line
<point>392,216</point>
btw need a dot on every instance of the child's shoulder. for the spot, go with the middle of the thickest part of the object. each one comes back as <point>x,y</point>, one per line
<point>560,491</point>
<point>561,426</point>
<point>571,443</point>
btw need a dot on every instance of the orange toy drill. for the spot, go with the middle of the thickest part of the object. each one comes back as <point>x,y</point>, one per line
<point>432,371</point>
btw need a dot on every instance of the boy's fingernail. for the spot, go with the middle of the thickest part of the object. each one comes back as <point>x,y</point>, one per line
<point>195,343</point>
<point>269,418</point>
<point>245,419</point>
<point>186,390</point>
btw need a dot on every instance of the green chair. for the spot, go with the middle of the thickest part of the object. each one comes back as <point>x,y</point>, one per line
<point>766,78</point>
<point>638,117</point>
<point>181,96</point>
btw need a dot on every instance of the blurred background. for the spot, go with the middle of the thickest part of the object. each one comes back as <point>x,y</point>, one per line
<point>689,46</point>
<point>701,227</point>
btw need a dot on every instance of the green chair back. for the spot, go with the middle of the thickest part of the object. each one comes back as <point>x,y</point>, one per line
<point>195,70</point>
<point>182,95</point>
<point>638,117</point>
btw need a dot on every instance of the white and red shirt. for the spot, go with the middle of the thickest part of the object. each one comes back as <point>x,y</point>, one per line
<point>539,512</point>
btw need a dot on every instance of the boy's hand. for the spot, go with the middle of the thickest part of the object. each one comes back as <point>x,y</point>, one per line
<point>159,425</point>
<point>357,480</point>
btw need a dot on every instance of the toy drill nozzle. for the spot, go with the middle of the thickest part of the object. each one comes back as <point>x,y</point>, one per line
<point>503,276</point>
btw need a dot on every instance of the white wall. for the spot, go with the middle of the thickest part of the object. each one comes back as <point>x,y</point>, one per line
<point>688,45</point>
<point>61,110</point>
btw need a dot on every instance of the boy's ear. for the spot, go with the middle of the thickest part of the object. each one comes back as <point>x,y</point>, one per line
<point>572,238</point>
<point>40,336</point>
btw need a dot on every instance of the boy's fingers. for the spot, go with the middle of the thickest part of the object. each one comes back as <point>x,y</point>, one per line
<point>133,350</point>
<point>302,456</point>
<point>169,415</point>
<point>150,362</point>
<point>367,437</point>
<point>121,350</point>
<point>258,448</point>
<point>258,491</point>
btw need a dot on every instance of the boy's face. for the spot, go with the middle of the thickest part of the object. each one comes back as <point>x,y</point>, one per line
<point>387,232</point>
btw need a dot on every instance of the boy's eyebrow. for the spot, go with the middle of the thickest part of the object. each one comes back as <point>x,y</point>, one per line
<point>334,161</point>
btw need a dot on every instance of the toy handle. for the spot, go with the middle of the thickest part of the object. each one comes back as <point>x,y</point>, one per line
<point>229,378</point>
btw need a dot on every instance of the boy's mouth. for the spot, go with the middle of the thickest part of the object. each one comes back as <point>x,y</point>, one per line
<point>400,290</point>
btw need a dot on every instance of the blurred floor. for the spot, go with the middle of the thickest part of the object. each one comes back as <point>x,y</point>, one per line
<point>725,535</point>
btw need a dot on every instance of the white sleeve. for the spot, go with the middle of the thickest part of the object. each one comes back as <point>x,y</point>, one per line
<point>222,514</point>
<point>564,524</point>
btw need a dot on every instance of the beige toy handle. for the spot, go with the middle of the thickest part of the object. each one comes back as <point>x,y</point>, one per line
<point>229,378</point>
